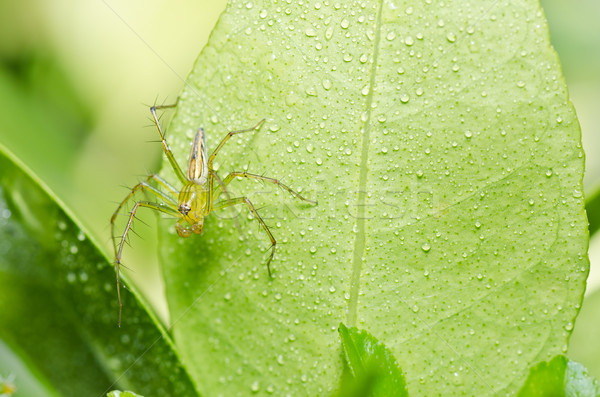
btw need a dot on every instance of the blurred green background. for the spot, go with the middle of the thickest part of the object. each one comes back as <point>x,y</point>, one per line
<point>83,74</point>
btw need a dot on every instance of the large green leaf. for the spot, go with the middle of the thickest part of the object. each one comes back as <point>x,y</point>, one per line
<point>58,305</point>
<point>445,156</point>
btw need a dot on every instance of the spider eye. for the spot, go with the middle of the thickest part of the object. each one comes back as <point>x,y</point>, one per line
<point>184,208</point>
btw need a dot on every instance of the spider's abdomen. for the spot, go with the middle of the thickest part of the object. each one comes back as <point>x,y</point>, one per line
<point>193,203</point>
<point>197,164</point>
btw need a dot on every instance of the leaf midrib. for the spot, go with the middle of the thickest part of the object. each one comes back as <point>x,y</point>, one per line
<point>359,241</point>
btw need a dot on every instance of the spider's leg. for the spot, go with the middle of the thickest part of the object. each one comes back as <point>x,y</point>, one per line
<point>145,186</point>
<point>180,175</point>
<point>214,194</point>
<point>172,105</point>
<point>244,200</point>
<point>154,206</point>
<point>119,251</point>
<point>227,137</point>
<point>274,181</point>
<point>172,189</point>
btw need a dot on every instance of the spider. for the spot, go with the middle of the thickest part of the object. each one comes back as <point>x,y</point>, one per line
<point>199,196</point>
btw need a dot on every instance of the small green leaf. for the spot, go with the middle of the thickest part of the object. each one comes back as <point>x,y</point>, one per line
<point>579,383</point>
<point>559,377</point>
<point>371,363</point>
<point>546,379</point>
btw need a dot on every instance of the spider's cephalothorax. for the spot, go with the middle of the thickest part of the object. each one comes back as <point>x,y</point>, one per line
<point>199,195</point>
<point>193,206</point>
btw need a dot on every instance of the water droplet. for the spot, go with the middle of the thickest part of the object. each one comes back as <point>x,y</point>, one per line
<point>345,24</point>
<point>227,296</point>
<point>549,173</point>
<point>347,57</point>
<point>255,387</point>
<point>329,33</point>
<point>426,247</point>
<point>415,308</point>
<point>332,289</point>
<point>310,32</point>
<point>310,91</point>
<point>569,326</point>
<point>404,98</point>
<point>326,84</point>
<point>391,36</point>
<point>310,148</point>
<point>451,37</point>
<point>290,99</point>
<point>409,41</point>
<point>263,13</point>
<point>365,90</point>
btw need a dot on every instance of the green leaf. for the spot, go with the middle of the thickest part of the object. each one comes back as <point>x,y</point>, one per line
<point>59,307</point>
<point>366,358</point>
<point>592,207</point>
<point>446,159</point>
<point>559,377</point>
<point>578,382</point>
